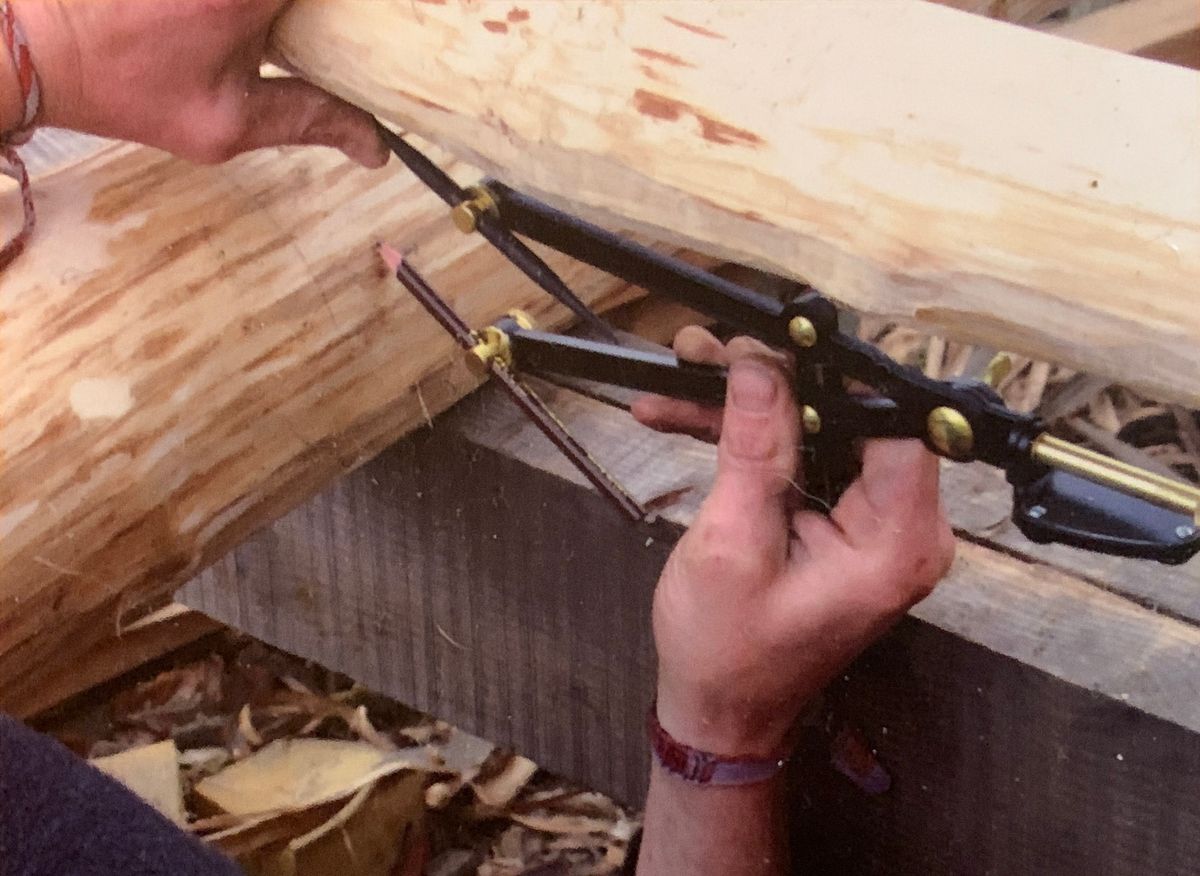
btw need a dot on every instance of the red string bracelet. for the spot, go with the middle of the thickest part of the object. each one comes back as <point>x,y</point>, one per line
<point>703,767</point>
<point>31,99</point>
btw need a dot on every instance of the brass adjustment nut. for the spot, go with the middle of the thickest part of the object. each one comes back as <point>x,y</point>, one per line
<point>950,433</point>
<point>493,347</point>
<point>802,332</point>
<point>466,214</point>
<point>810,420</point>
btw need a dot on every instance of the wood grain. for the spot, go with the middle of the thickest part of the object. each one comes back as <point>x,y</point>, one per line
<point>186,353</point>
<point>984,181</point>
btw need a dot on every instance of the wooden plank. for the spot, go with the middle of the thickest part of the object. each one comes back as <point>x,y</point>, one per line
<point>997,768</point>
<point>187,352</point>
<point>906,159</point>
<point>1165,30</point>
<point>449,572</point>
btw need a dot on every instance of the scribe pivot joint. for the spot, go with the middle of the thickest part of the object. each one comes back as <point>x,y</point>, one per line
<point>493,348</point>
<point>466,213</point>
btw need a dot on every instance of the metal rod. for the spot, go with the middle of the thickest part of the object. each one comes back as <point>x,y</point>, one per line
<point>552,428</point>
<point>1128,479</point>
<point>423,169</point>
<point>533,267</point>
<point>737,306</point>
<point>427,298</point>
<point>493,230</point>
<point>535,352</point>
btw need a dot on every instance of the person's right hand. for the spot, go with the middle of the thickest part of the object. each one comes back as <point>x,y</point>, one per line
<point>181,75</point>
<point>759,606</point>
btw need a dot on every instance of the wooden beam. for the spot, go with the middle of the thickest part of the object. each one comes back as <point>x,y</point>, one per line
<point>1165,30</point>
<point>189,352</point>
<point>981,180</point>
<point>449,573</point>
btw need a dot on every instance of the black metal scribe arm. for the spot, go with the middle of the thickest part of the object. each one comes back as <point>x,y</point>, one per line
<point>1062,492</point>
<point>1050,505</point>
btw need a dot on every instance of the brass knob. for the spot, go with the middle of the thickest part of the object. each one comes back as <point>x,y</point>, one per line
<point>810,420</point>
<point>492,348</point>
<point>802,332</point>
<point>950,433</point>
<point>466,214</point>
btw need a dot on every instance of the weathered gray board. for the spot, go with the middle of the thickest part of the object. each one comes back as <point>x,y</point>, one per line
<point>1037,719</point>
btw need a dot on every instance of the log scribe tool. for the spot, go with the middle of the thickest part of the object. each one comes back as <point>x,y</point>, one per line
<point>1062,492</point>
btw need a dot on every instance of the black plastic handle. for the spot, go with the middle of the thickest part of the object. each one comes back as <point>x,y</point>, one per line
<point>1064,508</point>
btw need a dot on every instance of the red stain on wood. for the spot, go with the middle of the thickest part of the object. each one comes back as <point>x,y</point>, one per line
<point>650,73</point>
<point>671,110</point>
<point>695,28</point>
<point>666,57</point>
<point>517,14</point>
<point>657,106</point>
<point>158,345</point>
<point>496,26</point>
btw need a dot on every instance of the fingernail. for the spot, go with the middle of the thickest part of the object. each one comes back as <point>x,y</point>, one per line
<point>752,386</point>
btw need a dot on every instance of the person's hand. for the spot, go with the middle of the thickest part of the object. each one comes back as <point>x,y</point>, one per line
<point>181,75</point>
<point>759,606</point>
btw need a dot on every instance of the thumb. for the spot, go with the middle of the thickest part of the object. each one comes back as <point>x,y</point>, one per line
<point>756,456</point>
<point>292,112</point>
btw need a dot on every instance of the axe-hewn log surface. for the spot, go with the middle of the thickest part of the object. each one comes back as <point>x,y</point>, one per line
<point>186,353</point>
<point>982,180</point>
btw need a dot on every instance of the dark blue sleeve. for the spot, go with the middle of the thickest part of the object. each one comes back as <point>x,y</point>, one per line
<point>59,816</point>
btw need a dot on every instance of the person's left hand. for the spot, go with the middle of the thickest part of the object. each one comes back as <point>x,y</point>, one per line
<point>181,75</point>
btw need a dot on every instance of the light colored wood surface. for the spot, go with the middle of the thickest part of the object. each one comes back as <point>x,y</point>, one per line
<point>1165,30</point>
<point>985,181</point>
<point>186,353</point>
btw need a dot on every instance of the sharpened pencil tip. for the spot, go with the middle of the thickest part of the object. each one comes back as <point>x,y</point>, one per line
<point>390,256</point>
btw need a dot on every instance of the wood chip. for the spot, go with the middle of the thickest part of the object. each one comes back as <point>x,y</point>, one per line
<point>292,774</point>
<point>151,772</point>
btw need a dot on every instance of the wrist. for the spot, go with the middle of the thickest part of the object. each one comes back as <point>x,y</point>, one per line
<point>732,727</point>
